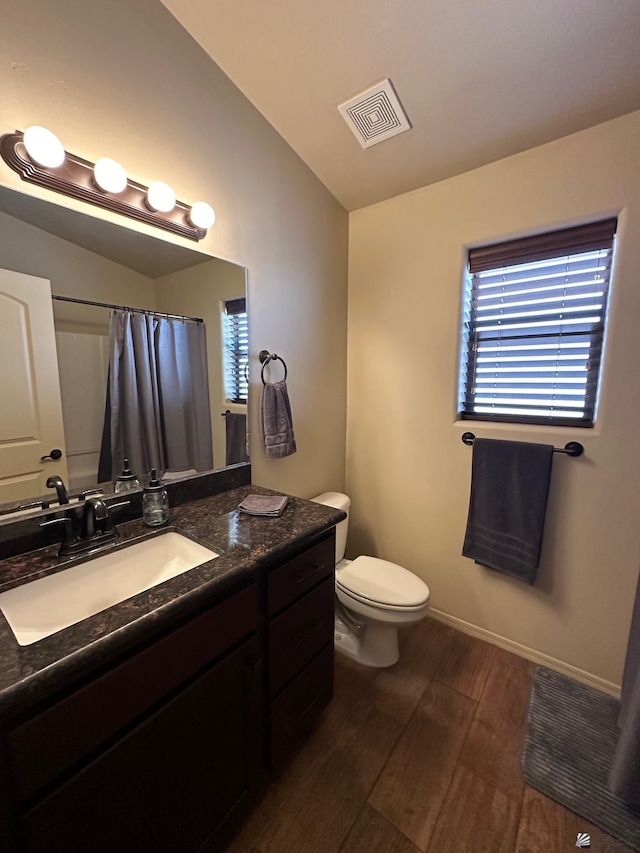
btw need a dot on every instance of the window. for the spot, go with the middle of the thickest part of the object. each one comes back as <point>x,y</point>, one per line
<point>534,317</point>
<point>235,343</point>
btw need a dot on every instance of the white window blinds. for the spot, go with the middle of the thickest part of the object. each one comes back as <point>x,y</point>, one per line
<point>534,323</point>
<point>235,338</point>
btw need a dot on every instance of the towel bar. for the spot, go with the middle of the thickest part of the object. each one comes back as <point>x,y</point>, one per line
<point>572,448</point>
<point>265,357</point>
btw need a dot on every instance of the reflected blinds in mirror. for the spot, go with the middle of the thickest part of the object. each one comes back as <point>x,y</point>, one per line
<point>534,324</point>
<point>235,339</point>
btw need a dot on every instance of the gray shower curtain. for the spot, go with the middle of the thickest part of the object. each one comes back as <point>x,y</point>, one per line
<point>158,394</point>
<point>624,779</point>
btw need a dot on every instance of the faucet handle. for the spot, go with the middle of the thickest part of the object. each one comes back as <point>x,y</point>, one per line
<point>85,494</point>
<point>109,522</point>
<point>69,537</point>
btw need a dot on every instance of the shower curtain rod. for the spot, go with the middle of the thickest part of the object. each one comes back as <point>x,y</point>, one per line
<point>125,308</point>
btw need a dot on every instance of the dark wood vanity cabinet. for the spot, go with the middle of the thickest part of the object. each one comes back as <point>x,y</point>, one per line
<point>158,754</point>
<point>171,782</point>
<point>300,604</point>
<point>162,751</point>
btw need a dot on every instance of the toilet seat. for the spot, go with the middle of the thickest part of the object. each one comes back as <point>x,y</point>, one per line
<point>382,584</point>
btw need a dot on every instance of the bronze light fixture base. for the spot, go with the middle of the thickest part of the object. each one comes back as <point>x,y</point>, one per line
<point>74,178</point>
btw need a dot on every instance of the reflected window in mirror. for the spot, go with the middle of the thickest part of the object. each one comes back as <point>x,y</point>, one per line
<point>235,342</point>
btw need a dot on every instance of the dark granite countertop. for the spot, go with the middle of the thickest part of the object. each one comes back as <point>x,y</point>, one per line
<point>246,544</point>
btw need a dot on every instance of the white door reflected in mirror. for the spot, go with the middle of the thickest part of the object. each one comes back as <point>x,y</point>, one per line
<point>30,415</point>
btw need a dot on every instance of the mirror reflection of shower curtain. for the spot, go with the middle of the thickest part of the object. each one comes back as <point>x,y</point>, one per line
<point>157,410</point>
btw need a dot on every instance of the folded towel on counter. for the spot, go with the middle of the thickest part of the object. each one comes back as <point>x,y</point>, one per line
<point>276,423</point>
<point>509,489</point>
<point>267,505</point>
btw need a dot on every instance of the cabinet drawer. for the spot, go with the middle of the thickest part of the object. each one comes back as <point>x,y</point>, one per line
<point>299,633</point>
<point>299,575</point>
<point>47,745</point>
<point>294,712</point>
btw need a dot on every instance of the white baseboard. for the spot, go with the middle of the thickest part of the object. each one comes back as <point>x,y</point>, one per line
<point>525,652</point>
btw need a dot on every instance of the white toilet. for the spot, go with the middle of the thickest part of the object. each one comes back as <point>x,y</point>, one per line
<point>375,598</point>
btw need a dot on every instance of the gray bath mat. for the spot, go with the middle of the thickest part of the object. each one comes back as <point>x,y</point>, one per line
<point>568,749</point>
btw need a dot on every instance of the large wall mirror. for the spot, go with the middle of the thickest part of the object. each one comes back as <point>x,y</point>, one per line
<point>84,258</point>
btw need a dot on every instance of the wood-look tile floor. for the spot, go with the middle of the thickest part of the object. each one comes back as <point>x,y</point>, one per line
<point>423,756</point>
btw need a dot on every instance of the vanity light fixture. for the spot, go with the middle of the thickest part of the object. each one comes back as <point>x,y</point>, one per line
<point>39,157</point>
<point>43,147</point>
<point>109,176</point>
<point>160,197</point>
<point>202,215</point>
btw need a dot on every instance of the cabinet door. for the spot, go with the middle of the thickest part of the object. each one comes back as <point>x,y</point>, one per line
<point>174,779</point>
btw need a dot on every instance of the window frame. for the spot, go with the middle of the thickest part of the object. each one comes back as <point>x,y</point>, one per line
<point>494,258</point>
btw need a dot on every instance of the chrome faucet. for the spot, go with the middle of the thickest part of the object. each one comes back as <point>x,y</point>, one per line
<point>57,483</point>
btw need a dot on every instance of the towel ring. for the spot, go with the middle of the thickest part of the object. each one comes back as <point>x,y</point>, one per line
<point>265,357</point>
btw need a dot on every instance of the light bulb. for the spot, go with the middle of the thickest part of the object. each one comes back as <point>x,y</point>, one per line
<point>109,176</point>
<point>202,215</point>
<point>43,147</point>
<point>161,197</point>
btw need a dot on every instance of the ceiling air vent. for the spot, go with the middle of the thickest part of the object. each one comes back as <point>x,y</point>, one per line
<point>375,114</point>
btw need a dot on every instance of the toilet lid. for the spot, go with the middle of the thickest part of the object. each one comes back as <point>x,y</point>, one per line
<point>381,582</point>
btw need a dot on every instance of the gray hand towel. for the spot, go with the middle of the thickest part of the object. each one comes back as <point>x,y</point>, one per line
<point>267,505</point>
<point>276,423</point>
<point>509,489</point>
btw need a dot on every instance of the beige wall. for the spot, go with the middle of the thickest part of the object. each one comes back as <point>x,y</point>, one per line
<point>199,292</point>
<point>124,80</point>
<point>408,472</point>
<point>72,271</point>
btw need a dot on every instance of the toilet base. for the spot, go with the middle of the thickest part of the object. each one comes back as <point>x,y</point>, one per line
<point>369,645</point>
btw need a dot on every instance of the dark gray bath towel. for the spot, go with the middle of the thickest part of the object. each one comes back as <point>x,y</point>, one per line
<point>509,489</point>
<point>236,435</point>
<point>276,423</point>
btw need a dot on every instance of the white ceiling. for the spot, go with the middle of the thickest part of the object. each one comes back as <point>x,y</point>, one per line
<point>479,79</point>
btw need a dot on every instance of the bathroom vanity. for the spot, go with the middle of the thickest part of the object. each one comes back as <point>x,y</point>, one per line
<point>152,725</point>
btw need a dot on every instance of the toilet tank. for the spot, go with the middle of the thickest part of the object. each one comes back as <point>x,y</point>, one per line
<point>337,501</point>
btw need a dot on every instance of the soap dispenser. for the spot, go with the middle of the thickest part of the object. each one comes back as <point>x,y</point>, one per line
<point>155,501</point>
<point>127,481</point>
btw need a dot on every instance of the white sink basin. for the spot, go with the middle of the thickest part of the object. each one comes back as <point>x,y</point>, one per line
<point>38,609</point>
